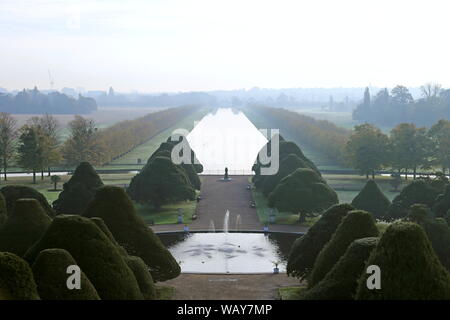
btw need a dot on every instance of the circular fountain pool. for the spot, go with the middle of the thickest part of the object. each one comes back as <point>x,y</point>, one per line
<point>229,252</point>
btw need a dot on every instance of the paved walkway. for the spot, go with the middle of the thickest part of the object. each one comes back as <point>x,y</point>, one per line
<point>218,197</point>
<point>226,287</point>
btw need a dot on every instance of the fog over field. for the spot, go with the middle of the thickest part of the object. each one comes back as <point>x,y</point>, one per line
<point>199,45</point>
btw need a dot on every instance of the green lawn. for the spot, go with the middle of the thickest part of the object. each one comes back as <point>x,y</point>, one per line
<point>291,293</point>
<point>164,292</point>
<point>168,214</point>
<point>347,186</point>
<point>262,210</point>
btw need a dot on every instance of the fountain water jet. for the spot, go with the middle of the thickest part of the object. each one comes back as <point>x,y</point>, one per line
<point>226,221</point>
<point>212,227</point>
<point>238,222</point>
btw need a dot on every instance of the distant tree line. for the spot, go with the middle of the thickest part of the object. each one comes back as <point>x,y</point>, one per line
<point>127,135</point>
<point>155,100</point>
<point>407,148</point>
<point>397,106</point>
<point>35,102</point>
<point>37,145</point>
<point>322,135</point>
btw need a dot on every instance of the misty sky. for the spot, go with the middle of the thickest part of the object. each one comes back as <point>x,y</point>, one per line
<point>186,45</point>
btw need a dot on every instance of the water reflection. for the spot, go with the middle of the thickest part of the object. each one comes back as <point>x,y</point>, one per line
<point>226,138</point>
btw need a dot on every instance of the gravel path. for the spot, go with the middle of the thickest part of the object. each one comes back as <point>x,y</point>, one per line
<point>218,197</point>
<point>226,287</point>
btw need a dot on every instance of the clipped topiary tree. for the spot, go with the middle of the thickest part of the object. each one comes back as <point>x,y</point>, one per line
<point>356,224</point>
<point>303,191</point>
<point>372,199</point>
<point>3,213</point>
<point>342,280</point>
<point>24,227</point>
<point>78,191</point>
<point>286,148</point>
<point>143,277</point>
<point>288,165</point>
<point>442,203</point>
<point>192,175</point>
<point>50,274</point>
<point>410,270</point>
<point>94,253</point>
<point>437,230</point>
<point>102,226</point>
<point>305,249</point>
<point>13,193</point>
<point>161,182</point>
<point>418,191</point>
<point>16,279</point>
<point>117,211</point>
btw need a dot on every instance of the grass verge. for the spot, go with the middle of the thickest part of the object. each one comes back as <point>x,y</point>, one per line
<point>291,293</point>
<point>164,292</point>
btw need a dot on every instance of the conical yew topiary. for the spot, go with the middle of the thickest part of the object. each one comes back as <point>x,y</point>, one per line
<point>94,253</point>
<point>288,165</point>
<point>305,249</point>
<point>342,280</point>
<point>372,199</point>
<point>143,276</point>
<point>418,191</point>
<point>117,211</point>
<point>437,230</point>
<point>50,273</point>
<point>13,193</point>
<point>102,226</point>
<point>16,278</point>
<point>303,191</point>
<point>78,191</point>
<point>24,227</point>
<point>355,225</point>
<point>410,270</point>
<point>442,203</point>
<point>161,182</point>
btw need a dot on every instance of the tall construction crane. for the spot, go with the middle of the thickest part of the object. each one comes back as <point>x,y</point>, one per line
<point>51,79</point>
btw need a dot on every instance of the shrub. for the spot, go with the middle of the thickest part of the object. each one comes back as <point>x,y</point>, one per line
<point>305,249</point>
<point>303,191</point>
<point>410,270</point>
<point>143,276</point>
<point>50,274</point>
<point>355,225</point>
<point>78,191</point>
<point>95,254</point>
<point>437,230</point>
<point>342,281</point>
<point>161,182</point>
<point>24,227</point>
<point>442,203</point>
<point>117,211</point>
<point>372,199</point>
<point>13,192</point>
<point>418,191</point>
<point>286,148</point>
<point>16,279</point>
<point>102,226</point>
<point>288,165</point>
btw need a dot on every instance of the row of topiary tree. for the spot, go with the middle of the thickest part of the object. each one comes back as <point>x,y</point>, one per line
<point>90,225</point>
<point>298,186</point>
<point>161,181</point>
<point>337,250</point>
<point>433,193</point>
